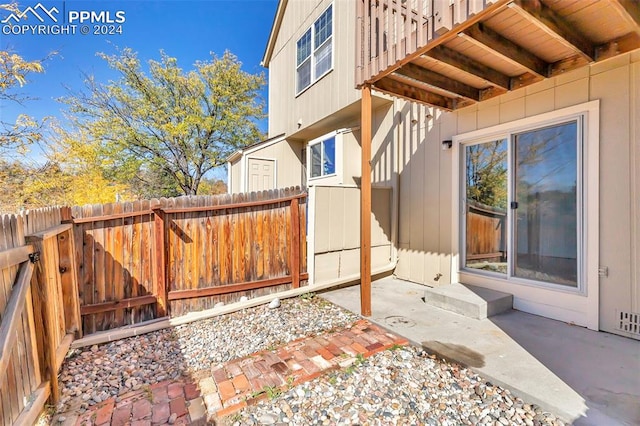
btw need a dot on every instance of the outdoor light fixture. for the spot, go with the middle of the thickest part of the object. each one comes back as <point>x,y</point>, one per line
<point>447,144</point>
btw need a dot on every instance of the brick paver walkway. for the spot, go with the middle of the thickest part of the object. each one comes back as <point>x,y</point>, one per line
<point>167,402</point>
<point>230,387</point>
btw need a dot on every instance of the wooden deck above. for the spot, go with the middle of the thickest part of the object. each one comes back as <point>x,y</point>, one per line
<point>451,54</point>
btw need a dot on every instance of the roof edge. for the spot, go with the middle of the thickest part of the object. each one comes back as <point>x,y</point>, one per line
<point>238,153</point>
<point>275,29</point>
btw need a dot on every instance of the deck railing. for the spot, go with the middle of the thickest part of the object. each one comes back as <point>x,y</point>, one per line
<point>390,30</point>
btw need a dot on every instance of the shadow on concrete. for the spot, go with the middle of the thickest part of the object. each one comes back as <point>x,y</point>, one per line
<point>585,377</point>
<point>461,354</point>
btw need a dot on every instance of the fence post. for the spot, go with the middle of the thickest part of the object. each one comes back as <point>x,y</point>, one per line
<point>70,294</point>
<point>295,243</point>
<point>160,261</point>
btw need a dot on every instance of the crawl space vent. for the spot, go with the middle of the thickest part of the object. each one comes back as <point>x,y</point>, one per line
<point>628,321</point>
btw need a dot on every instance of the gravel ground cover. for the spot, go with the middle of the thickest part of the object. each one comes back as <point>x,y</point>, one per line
<point>92,374</point>
<point>401,386</point>
<point>404,386</point>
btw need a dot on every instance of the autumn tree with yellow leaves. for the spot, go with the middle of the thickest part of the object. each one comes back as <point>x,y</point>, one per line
<point>167,122</point>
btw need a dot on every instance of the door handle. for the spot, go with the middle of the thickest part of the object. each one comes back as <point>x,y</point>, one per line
<point>514,205</point>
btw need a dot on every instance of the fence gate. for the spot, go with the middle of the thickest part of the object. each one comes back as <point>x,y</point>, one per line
<point>39,310</point>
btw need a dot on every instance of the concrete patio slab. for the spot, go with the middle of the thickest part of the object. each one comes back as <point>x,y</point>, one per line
<point>586,377</point>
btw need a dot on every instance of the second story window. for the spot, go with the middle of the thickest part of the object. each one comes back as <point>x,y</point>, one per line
<point>314,56</point>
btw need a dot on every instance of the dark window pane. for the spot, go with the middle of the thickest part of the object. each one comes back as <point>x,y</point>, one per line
<point>329,163</point>
<point>322,28</point>
<point>546,233</point>
<point>304,47</point>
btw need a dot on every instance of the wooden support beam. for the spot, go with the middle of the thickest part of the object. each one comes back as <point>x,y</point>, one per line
<point>62,350</point>
<point>13,312</point>
<point>241,205</point>
<point>14,256</point>
<point>440,81</point>
<point>131,302</point>
<point>365,202</point>
<point>487,39</point>
<point>69,283</point>
<point>160,257</point>
<point>618,46</point>
<point>553,24</point>
<point>414,94</point>
<point>30,413</point>
<point>464,63</point>
<point>231,288</point>
<point>48,233</point>
<point>610,49</point>
<point>111,216</point>
<point>295,243</point>
<point>50,325</point>
<point>491,92</point>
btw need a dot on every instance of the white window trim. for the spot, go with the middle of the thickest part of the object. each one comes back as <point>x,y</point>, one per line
<point>337,152</point>
<point>315,78</point>
<point>561,303</point>
<point>334,178</point>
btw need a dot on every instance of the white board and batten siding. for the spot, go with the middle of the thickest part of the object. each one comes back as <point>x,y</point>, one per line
<point>288,111</point>
<point>337,231</point>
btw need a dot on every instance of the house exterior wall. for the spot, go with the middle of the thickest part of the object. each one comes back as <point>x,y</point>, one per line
<point>288,163</point>
<point>336,205</point>
<point>234,186</point>
<point>332,92</point>
<point>337,231</point>
<point>408,158</point>
<point>425,236</point>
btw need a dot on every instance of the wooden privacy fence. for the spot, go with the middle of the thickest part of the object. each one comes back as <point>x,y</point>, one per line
<point>38,307</point>
<point>65,272</point>
<point>486,233</point>
<point>143,260</point>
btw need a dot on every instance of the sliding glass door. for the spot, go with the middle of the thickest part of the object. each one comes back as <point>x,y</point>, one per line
<point>522,205</point>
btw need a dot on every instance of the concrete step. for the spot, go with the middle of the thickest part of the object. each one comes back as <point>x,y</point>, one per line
<point>470,301</point>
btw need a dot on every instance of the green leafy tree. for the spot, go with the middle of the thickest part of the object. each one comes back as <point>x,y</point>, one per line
<point>14,74</point>
<point>168,121</point>
<point>14,70</point>
<point>487,173</point>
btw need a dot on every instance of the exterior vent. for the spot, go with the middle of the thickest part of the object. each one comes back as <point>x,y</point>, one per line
<point>628,322</point>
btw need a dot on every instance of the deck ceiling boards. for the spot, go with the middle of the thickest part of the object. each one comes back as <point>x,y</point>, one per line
<point>476,52</point>
<point>599,21</point>
<point>452,72</point>
<point>519,44</point>
<point>513,26</point>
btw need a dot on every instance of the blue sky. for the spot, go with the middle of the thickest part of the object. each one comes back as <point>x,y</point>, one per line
<point>187,30</point>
